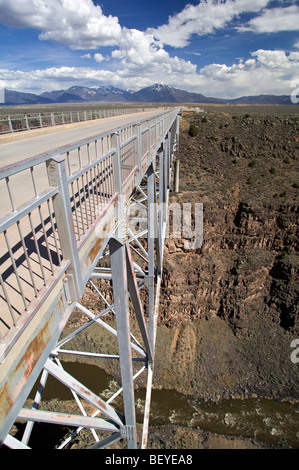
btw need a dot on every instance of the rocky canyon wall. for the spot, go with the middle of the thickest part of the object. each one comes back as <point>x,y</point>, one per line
<point>232,306</point>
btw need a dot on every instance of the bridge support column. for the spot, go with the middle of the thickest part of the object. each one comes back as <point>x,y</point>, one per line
<point>177,176</point>
<point>120,291</point>
<point>152,241</point>
<point>154,270</point>
<point>112,184</point>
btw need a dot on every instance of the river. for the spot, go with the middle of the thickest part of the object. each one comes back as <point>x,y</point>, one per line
<point>265,420</point>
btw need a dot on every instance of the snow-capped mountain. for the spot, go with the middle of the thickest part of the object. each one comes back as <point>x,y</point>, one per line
<point>157,93</point>
<point>80,93</point>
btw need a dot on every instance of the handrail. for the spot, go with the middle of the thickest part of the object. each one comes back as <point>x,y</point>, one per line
<point>57,230</point>
<point>11,123</point>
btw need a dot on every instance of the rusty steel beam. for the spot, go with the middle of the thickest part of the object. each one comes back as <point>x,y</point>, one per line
<point>27,357</point>
<point>64,419</point>
<point>82,391</point>
<point>87,209</point>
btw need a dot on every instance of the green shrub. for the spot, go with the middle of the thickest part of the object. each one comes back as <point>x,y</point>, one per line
<point>193,131</point>
<point>283,254</point>
<point>273,170</point>
<point>252,163</point>
<point>204,119</point>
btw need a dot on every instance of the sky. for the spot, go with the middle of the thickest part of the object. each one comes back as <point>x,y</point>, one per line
<point>220,48</point>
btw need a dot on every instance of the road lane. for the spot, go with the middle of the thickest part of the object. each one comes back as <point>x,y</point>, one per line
<point>14,148</point>
<point>37,226</point>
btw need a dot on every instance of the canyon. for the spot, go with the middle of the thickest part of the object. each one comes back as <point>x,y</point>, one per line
<point>229,309</point>
<point>232,306</point>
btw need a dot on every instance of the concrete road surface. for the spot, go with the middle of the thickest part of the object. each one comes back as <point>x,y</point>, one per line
<point>27,144</point>
<point>20,146</point>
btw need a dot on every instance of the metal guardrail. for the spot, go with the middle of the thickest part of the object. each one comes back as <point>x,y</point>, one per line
<point>23,122</point>
<point>73,213</point>
<point>69,191</point>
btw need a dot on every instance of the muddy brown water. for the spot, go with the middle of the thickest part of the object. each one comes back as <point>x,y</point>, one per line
<point>265,420</point>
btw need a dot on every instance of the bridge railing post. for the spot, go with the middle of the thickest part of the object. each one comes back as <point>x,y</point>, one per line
<point>138,162</point>
<point>61,202</point>
<point>116,163</point>
<point>149,143</point>
<point>118,186</point>
<point>10,124</point>
<point>27,122</point>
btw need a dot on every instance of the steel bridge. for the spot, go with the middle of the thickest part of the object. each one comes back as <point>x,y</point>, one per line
<point>79,228</point>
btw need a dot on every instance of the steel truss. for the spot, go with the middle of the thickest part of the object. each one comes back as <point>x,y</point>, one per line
<point>130,270</point>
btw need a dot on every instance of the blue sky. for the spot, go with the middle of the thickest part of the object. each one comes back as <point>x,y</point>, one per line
<point>221,48</point>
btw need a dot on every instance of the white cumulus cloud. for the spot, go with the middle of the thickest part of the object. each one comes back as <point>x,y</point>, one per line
<point>139,50</point>
<point>52,78</point>
<point>202,19</point>
<point>82,25</point>
<point>77,23</point>
<point>99,57</point>
<point>274,20</point>
<point>267,72</point>
<point>140,59</point>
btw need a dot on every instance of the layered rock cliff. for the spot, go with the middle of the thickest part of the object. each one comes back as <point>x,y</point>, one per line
<point>229,310</point>
<point>232,306</point>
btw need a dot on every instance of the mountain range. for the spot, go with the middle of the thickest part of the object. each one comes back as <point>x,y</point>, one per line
<point>156,93</point>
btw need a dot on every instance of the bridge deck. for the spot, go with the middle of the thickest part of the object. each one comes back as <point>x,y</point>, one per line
<point>73,203</point>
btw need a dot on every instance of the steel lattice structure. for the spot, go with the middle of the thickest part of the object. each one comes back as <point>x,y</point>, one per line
<point>81,230</point>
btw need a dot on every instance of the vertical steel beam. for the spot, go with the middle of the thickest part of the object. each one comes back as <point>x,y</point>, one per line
<point>120,291</point>
<point>167,163</point>
<point>152,228</point>
<point>153,238</point>
<point>57,178</point>
<point>154,292</point>
<point>177,176</point>
<point>162,199</point>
